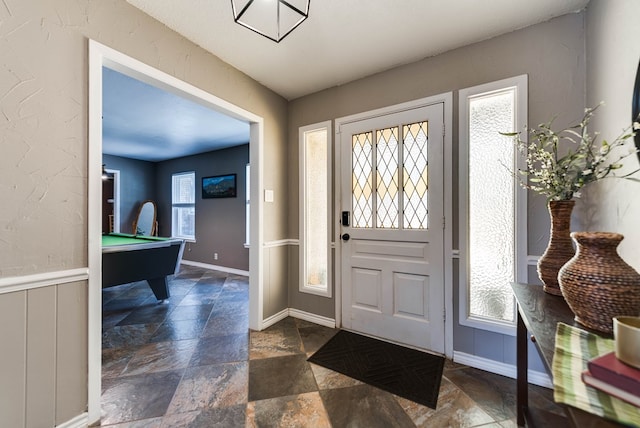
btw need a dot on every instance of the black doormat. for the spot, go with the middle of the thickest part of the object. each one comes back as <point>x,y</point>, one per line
<point>411,374</point>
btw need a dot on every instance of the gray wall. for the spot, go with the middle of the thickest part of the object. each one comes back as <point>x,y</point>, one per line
<point>613,51</point>
<point>220,223</point>
<point>43,183</point>
<point>553,56</point>
<point>137,184</point>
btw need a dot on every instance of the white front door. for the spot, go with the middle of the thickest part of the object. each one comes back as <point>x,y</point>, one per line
<point>392,248</point>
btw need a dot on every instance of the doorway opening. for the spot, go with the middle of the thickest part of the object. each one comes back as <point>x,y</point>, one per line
<point>102,56</point>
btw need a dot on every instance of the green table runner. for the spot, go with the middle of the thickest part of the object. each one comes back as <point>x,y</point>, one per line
<point>574,348</point>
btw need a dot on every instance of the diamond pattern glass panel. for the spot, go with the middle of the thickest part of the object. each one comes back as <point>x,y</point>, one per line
<point>491,206</point>
<point>416,183</point>
<point>362,180</point>
<point>387,185</point>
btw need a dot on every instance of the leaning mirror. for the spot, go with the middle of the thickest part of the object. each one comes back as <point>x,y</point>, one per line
<point>145,222</point>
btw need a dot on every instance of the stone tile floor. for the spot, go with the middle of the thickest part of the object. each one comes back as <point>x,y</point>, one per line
<point>191,361</point>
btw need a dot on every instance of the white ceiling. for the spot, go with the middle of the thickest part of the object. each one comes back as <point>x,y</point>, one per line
<point>140,121</point>
<point>343,40</point>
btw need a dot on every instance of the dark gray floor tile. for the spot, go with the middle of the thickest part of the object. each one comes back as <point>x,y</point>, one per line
<point>192,312</point>
<point>314,337</point>
<point>495,394</point>
<point>115,360</point>
<point>303,410</point>
<point>130,398</point>
<point>363,406</point>
<point>223,417</point>
<point>119,304</point>
<point>221,385</point>
<point>178,330</point>
<point>221,349</point>
<point>281,376</point>
<point>128,335</point>
<point>150,314</point>
<point>160,357</point>
<point>224,325</point>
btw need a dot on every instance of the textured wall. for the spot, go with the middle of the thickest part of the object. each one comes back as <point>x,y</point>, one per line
<point>43,125</point>
<point>43,168</point>
<point>613,52</point>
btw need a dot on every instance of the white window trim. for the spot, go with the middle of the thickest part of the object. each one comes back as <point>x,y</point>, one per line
<point>304,288</point>
<point>183,205</point>
<point>520,194</point>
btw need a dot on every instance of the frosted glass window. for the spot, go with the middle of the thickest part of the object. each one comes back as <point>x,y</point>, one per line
<point>491,243</point>
<point>315,206</point>
<point>316,244</point>
<point>183,206</point>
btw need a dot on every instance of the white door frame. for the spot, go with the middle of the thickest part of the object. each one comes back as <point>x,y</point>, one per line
<point>99,56</point>
<point>447,100</point>
<point>116,198</point>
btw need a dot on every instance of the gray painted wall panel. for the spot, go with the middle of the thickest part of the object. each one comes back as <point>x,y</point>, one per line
<point>220,223</point>
<point>137,184</point>
<point>71,347</point>
<point>276,266</point>
<point>41,356</point>
<point>13,359</point>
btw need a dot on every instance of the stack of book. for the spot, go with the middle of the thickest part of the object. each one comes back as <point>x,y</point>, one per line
<point>612,376</point>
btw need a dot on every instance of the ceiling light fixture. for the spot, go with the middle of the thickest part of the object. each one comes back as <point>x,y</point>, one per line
<point>273,19</point>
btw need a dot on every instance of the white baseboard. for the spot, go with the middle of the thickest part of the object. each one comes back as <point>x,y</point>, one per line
<point>268,322</point>
<point>508,370</point>
<point>316,319</point>
<point>296,313</point>
<point>214,267</point>
<point>80,421</point>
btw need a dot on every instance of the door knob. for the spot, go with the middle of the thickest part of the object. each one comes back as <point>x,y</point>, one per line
<point>345,237</point>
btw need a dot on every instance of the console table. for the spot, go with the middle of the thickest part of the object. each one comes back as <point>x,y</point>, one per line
<point>539,313</point>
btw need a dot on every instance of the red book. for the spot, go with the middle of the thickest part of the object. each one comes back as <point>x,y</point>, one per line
<point>610,389</point>
<point>609,369</point>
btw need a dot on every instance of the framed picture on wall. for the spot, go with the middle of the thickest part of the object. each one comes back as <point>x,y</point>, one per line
<point>219,186</point>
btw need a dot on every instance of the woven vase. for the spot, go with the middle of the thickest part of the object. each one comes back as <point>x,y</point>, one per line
<point>597,284</point>
<point>560,248</point>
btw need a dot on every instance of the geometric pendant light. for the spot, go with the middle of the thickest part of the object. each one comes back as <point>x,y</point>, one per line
<point>273,19</point>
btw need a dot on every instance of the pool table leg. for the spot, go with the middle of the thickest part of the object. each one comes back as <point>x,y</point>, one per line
<point>160,287</point>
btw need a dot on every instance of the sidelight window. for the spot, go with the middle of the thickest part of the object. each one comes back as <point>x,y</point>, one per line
<point>315,182</point>
<point>493,205</point>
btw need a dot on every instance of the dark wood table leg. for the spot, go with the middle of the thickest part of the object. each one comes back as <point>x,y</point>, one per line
<point>522,393</point>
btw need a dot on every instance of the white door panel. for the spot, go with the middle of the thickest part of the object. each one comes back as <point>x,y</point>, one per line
<point>392,265</point>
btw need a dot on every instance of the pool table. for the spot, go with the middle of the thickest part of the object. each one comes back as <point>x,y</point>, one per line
<point>129,258</point>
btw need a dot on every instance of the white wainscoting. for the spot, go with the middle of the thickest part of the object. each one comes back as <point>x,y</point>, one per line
<point>46,279</point>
